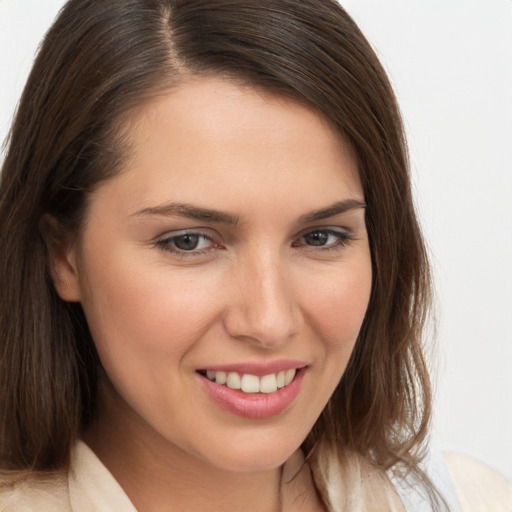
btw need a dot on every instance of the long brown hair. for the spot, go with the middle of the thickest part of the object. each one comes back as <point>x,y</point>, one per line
<point>103,58</point>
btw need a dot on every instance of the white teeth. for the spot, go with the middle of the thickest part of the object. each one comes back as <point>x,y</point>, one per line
<point>290,374</point>
<point>251,383</point>
<point>268,383</point>
<point>220,377</point>
<point>233,380</point>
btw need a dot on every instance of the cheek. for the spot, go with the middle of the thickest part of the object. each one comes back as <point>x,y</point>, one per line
<point>337,301</point>
<point>141,316</point>
<point>338,304</point>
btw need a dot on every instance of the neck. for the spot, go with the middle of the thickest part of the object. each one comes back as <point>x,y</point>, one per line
<point>155,473</point>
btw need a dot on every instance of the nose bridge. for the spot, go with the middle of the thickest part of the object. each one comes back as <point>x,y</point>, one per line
<point>265,307</point>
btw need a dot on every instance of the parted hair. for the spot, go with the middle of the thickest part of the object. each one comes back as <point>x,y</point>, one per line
<point>102,59</point>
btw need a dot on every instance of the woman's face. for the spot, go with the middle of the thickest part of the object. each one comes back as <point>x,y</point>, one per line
<point>232,246</point>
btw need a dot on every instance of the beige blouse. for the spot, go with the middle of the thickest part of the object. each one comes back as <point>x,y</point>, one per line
<point>89,487</point>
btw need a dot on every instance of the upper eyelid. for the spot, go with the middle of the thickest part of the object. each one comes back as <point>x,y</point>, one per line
<point>344,238</point>
<point>331,229</point>
<point>183,232</point>
<point>207,232</point>
<point>173,234</point>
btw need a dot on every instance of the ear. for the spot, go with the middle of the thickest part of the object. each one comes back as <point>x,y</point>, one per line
<point>62,260</point>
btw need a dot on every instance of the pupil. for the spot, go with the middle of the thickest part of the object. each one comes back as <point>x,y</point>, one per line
<point>186,242</point>
<point>316,238</point>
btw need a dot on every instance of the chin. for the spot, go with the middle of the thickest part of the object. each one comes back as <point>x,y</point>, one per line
<point>254,456</point>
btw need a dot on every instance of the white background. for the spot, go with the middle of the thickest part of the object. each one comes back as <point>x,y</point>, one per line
<point>450,62</point>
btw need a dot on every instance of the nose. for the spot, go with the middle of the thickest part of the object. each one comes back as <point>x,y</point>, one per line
<point>263,306</point>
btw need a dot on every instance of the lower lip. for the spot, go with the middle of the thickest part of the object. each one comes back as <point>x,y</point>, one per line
<point>254,405</point>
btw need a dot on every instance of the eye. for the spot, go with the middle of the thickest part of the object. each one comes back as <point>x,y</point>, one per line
<point>186,243</point>
<point>324,238</point>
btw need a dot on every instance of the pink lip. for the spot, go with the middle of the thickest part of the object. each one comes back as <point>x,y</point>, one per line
<point>254,405</point>
<point>257,368</point>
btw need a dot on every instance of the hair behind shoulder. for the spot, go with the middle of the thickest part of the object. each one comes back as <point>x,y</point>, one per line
<point>103,58</point>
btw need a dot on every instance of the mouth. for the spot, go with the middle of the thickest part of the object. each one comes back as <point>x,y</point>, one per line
<point>254,391</point>
<point>252,384</point>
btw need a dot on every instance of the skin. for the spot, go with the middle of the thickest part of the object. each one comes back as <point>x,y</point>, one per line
<point>256,290</point>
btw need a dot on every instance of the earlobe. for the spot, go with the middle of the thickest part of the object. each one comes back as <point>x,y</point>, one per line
<point>62,260</point>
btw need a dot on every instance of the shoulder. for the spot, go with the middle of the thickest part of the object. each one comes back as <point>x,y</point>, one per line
<point>479,487</point>
<point>87,486</point>
<point>34,493</point>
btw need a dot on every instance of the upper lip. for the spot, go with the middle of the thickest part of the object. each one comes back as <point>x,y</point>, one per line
<point>256,368</point>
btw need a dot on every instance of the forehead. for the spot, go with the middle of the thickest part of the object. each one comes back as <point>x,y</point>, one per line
<point>212,136</point>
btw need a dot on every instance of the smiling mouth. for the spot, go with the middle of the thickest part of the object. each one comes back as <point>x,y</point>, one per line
<point>251,384</point>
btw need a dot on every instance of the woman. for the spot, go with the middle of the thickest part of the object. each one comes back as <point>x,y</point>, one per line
<point>212,269</point>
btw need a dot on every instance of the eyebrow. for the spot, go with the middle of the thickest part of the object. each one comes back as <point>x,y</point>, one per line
<point>220,217</point>
<point>335,209</point>
<point>191,212</point>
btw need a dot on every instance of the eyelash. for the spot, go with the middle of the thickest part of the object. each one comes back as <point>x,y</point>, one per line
<point>343,238</point>
<point>167,244</point>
